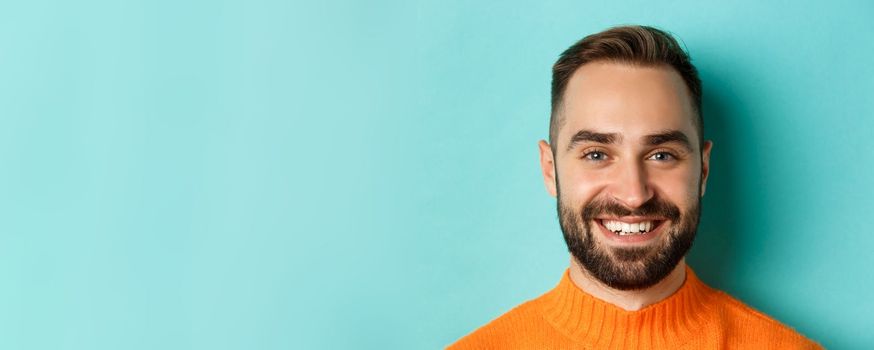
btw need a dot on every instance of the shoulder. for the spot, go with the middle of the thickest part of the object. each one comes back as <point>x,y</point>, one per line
<point>508,330</point>
<point>754,328</point>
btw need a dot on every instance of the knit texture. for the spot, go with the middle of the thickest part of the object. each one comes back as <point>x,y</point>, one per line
<point>694,317</point>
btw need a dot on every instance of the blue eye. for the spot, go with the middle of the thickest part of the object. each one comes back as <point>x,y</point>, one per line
<point>595,156</point>
<point>662,156</point>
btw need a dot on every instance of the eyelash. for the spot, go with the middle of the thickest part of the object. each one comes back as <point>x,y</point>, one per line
<point>587,155</point>
<point>671,155</point>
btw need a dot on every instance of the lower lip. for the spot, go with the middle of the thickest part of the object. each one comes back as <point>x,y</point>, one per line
<point>635,238</point>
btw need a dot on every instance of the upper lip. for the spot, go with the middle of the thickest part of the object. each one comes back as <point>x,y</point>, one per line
<point>630,219</point>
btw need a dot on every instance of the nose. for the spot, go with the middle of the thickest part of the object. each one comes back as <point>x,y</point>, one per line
<point>631,186</point>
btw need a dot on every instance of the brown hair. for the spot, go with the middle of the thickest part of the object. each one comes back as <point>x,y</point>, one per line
<point>636,45</point>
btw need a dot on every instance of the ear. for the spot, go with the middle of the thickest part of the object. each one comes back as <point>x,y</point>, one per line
<point>547,167</point>
<point>705,164</point>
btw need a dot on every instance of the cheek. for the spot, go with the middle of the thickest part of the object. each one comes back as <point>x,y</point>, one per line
<point>680,187</point>
<point>579,187</point>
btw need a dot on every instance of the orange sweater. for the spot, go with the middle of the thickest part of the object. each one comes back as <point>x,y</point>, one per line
<point>694,317</point>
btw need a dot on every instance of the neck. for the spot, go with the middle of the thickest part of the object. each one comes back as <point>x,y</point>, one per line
<point>629,300</point>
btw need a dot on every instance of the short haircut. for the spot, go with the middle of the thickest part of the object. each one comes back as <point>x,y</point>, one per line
<point>634,45</point>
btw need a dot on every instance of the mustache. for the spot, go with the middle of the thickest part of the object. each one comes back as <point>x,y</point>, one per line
<point>653,207</point>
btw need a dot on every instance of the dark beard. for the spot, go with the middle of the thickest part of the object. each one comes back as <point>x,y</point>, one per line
<point>629,268</point>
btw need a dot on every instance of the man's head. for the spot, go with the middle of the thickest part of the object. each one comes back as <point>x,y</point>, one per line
<point>626,153</point>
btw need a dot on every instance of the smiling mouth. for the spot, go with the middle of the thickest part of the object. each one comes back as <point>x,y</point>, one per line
<point>625,228</point>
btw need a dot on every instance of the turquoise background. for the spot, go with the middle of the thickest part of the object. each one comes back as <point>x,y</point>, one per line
<point>364,175</point>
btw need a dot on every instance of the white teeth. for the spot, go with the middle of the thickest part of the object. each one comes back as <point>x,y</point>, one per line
<point>624,228</point>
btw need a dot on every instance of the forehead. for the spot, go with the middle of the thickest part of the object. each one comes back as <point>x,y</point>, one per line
<point>632,101</point>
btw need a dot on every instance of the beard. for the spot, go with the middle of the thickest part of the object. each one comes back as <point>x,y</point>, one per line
<point>629,268</point>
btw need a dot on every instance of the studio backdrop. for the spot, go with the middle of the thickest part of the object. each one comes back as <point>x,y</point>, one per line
<point>364,174</point>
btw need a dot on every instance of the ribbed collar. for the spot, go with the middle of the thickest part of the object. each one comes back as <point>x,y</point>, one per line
<point>601,325</point>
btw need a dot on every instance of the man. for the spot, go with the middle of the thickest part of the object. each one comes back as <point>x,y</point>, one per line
<point>628,164</point>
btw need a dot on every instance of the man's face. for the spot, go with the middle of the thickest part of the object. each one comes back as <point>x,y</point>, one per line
<point>628,172</point>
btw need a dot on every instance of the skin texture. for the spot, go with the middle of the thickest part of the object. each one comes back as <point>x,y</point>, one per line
<point>630,102</point>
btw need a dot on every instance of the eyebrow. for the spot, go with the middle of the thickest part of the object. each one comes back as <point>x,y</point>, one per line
<point>591,136</point>
<point>669,136</point>
<point>610,138</point>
